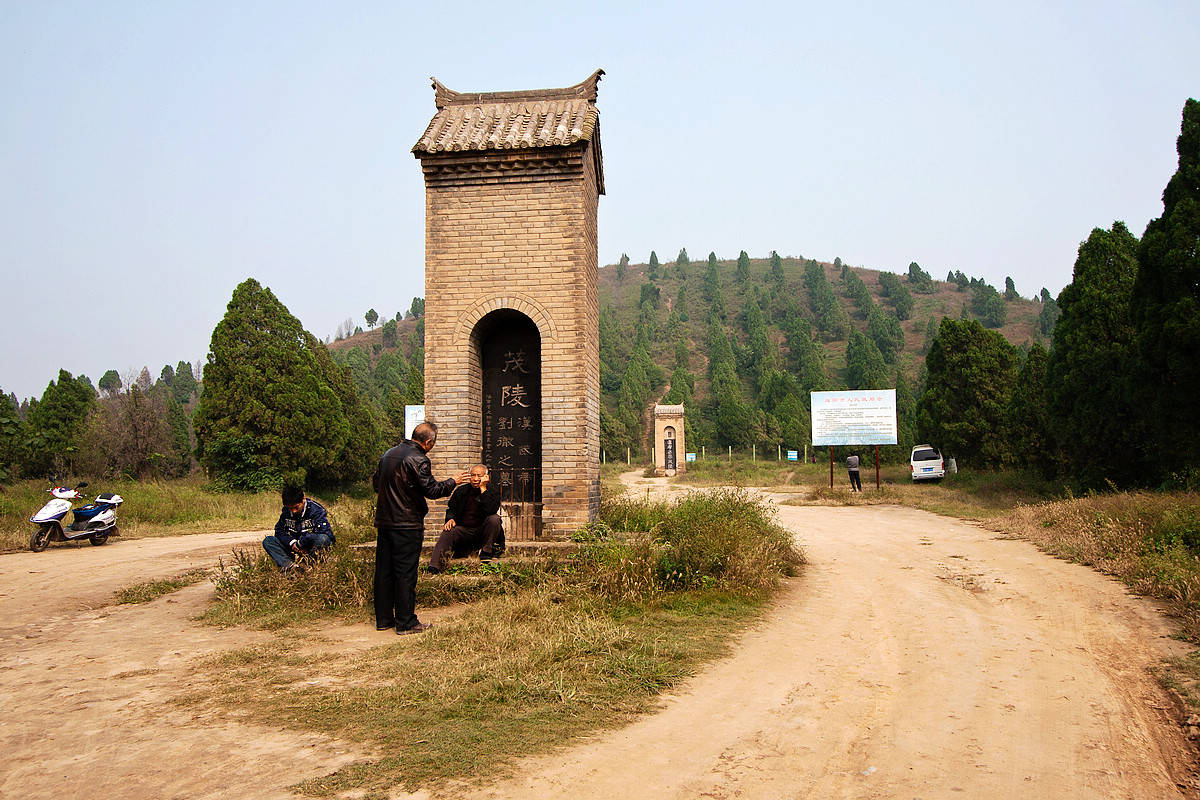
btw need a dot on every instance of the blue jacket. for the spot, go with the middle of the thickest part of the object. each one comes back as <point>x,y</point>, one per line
<point>303,527</point>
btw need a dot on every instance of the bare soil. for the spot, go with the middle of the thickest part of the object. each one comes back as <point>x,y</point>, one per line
<point>917,657</point>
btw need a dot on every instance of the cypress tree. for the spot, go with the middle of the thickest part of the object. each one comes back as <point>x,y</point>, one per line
<point>268,413</point>
<point>55,424</point>
<point>970,375</point>
<point>12,437</point>
<point>776,270</point>
<point>681,263</point>
<point>1031,435</point>
<point>1087,389</point>
<point>1166,311</point>
<point>865,368</point>
<point>185,386</point>
<point>743,269</point>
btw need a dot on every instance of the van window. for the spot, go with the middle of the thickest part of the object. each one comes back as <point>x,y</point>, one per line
<point>926,455</point>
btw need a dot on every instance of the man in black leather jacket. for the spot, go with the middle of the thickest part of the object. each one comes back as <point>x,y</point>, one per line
<point>402,481</point>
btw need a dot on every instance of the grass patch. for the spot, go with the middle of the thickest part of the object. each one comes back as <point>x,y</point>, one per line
<point>550,649</point>
<point>983,495</point>
<point>720,471</point>
<point>151,508</point>
<point>1148,541</point>
<point>152,590</point>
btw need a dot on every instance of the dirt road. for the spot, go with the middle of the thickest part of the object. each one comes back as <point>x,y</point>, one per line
<point>917,657</point>
<point>86,687</point>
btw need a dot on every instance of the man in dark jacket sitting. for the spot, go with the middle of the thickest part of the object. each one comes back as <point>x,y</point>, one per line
<point>403,481</point>
<point>302,530</point>
<point>471,522</point>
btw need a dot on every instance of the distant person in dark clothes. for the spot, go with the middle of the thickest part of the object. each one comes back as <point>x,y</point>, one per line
<point>302,530</point>
<point>471,522</point>
<point>852,468</point>
<point>403,480</point>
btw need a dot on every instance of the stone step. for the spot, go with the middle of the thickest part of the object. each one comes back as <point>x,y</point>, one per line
<point>511,548</point>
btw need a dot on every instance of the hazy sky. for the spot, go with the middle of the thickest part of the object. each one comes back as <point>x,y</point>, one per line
<point>153,155</point>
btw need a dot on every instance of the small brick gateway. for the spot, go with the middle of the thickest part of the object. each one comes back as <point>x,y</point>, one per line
<point>512,187</point>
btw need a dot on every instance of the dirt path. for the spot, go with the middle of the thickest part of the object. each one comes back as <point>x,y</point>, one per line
<point>917,657</point>
<point>86,687</point>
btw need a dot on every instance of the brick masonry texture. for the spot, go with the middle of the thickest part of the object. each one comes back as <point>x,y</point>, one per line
<point>516,230</point>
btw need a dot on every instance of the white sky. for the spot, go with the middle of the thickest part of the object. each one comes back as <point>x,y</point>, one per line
<point>154,155</point>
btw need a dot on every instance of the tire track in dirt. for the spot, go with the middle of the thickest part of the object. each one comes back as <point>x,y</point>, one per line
<point>917,657</point>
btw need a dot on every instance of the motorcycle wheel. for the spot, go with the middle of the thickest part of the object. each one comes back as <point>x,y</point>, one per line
<point>40,538</point>
<point>98,538</point>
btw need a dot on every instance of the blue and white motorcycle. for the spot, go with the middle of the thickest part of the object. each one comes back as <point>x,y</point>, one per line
<point>95,522</point>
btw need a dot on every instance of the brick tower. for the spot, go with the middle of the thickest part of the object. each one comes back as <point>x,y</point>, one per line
<point>512,186</point>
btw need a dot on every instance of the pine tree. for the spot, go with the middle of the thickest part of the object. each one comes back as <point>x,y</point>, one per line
<point>622,268</point>
<point>652,267</point>
<point>1010,289</point>
<point>1166,310</point>
<point>372,316</point>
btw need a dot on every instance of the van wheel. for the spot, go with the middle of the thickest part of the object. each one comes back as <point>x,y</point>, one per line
<point>40,538</point>
<point>98,538</point>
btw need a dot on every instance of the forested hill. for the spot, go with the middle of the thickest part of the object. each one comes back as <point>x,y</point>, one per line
<point>743,342</point>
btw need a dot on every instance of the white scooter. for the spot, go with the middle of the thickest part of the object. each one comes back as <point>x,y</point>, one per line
<point>95,521</point>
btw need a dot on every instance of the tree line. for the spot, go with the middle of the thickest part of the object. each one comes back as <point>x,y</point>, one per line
<point>275,405</point>
<point>1105,394</point>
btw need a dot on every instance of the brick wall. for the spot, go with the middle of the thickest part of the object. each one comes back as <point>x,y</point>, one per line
<point>517,230</point>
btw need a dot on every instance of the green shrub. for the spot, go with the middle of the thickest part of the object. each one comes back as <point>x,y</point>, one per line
<point>723,538</point>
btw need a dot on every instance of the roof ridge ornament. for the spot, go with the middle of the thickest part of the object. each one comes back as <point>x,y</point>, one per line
<point>587,89</point>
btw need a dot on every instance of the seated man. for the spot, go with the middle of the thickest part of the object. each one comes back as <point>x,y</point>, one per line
<point>471,522</point>
<point>302,530</point>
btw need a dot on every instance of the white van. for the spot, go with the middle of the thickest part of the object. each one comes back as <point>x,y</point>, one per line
<point>926,463</point>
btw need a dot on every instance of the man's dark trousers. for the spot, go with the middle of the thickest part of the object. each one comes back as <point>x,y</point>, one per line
<point>461,540</point>
<point>397,556</point>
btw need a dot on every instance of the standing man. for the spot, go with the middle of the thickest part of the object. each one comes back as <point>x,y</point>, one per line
<point>403,480</point>
<point>471,522</point>
<point>852,468</point>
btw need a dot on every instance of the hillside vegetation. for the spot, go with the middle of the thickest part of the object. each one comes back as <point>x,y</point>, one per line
<point>742,342</point>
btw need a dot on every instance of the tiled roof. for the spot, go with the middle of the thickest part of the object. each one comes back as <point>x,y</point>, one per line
<point>511,120</point>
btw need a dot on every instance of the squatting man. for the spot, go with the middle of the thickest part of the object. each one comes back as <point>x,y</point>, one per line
<point>302,531</point>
